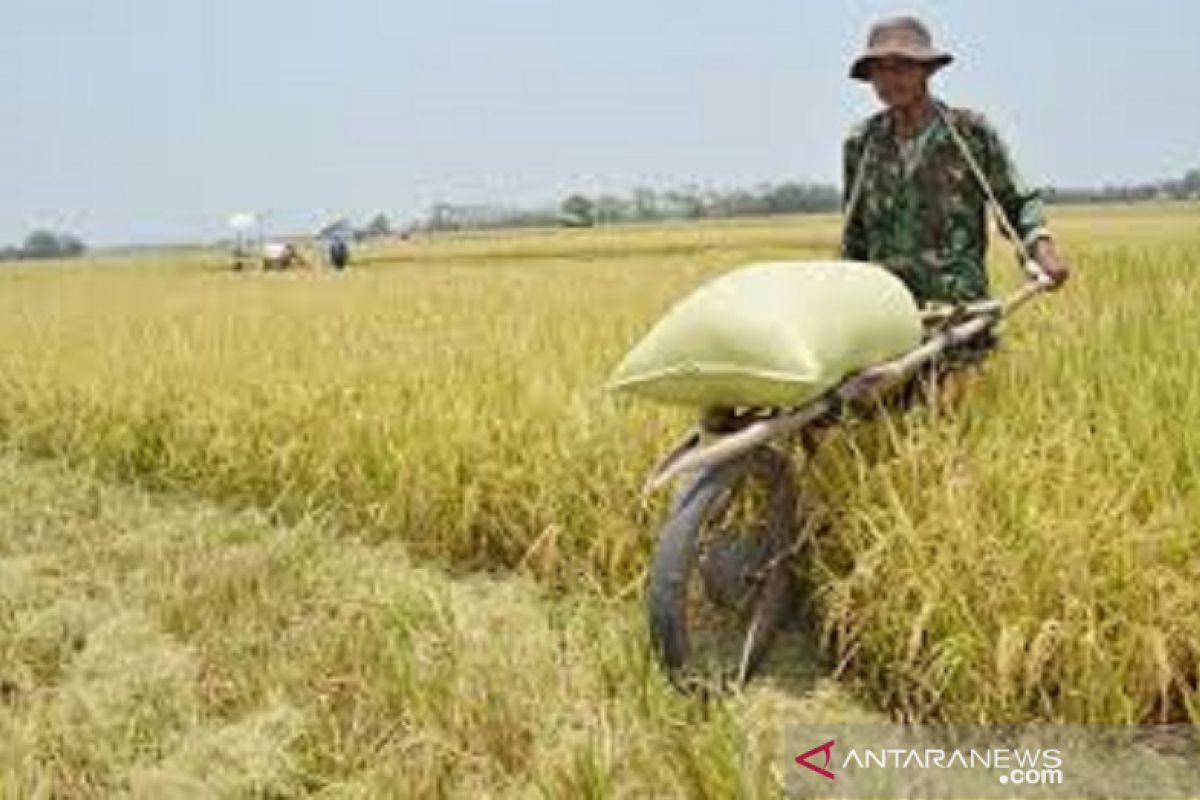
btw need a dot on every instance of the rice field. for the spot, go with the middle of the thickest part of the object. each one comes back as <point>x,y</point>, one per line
<point>381,532</point>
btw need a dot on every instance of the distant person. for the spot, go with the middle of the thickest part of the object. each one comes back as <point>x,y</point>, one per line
<point>912,201</point>
<point>282,255</point>
<point>338,251</point>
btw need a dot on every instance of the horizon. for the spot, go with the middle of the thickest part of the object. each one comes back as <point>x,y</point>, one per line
<point>227,235</point>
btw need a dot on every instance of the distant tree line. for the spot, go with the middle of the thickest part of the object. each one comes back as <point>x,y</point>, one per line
<point>693,202</point>
<point>460,216</point>
<point>378,225</point>
<point>644,205</point>
<point>44,244</point>
<point>1185,188</point>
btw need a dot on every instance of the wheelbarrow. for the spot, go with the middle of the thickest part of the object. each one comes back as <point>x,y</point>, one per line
<point>721,578</point>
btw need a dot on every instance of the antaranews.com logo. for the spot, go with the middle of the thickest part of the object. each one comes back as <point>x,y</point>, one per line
<point>1013,766</point>
<point>985,761</point>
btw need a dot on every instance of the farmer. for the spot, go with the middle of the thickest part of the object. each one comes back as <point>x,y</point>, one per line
<point>912,201</point>
<point>337,250</point>
<point>281,255</point>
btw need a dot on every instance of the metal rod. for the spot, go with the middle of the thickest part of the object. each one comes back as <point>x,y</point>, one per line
<point>687,442</point>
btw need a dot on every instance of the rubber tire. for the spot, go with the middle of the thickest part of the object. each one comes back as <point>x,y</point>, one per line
<point>677,548</point>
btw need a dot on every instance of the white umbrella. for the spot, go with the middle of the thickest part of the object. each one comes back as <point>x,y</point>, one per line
<point>243,221</point>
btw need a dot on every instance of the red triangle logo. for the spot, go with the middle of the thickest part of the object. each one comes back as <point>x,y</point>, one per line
<point>827,749</point>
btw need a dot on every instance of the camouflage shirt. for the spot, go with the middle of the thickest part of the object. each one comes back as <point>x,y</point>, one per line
<point>926,220</point>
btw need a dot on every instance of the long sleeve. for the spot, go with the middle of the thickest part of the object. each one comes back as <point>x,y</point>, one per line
<point>854,234</point>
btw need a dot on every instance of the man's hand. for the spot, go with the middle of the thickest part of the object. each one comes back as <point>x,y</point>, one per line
<point>1046,257</point>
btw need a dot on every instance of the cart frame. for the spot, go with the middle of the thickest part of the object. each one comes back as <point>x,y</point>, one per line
<point>729,446</point>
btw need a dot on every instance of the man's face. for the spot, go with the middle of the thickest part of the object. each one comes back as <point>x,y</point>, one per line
<point>899,81</point>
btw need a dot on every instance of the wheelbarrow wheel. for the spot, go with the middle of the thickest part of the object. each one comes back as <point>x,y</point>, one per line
<point>720,581</point>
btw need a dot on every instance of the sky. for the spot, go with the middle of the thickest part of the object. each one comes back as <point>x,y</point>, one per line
<point>153,120</point>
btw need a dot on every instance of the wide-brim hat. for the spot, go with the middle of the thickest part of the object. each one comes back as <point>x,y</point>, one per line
<point>900,37</point>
